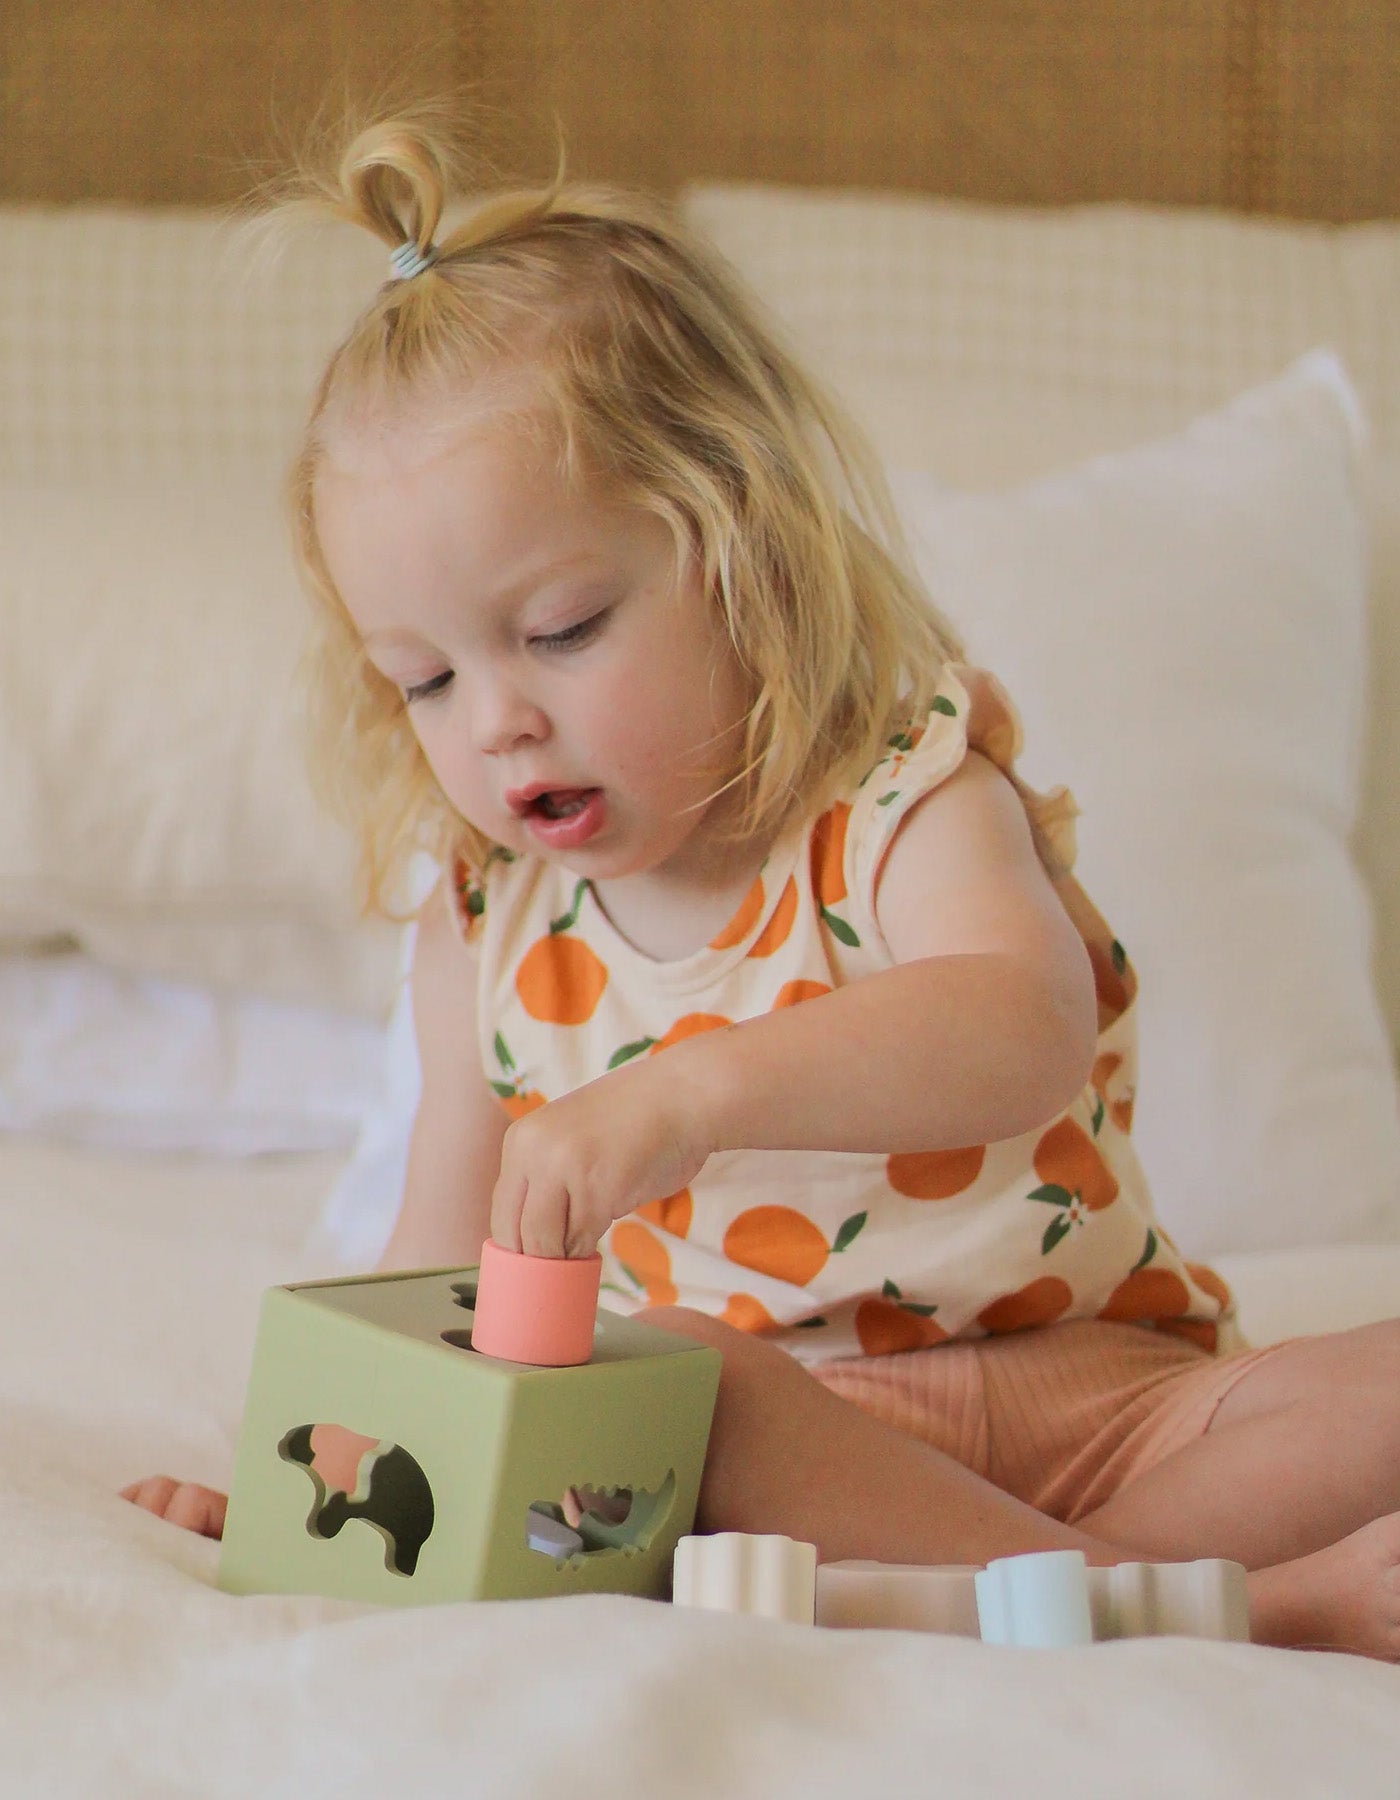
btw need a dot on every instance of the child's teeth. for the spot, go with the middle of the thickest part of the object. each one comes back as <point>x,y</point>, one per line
<point>554,808</point>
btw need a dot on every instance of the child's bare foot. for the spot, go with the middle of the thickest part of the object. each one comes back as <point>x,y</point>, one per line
<point>336,1457</point>
<point>183,1503</point>
<point>1346,1597</point>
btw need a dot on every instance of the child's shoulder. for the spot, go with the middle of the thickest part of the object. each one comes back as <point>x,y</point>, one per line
<point>970,710</point>
<point>851,836</point>
<point>923,748</point>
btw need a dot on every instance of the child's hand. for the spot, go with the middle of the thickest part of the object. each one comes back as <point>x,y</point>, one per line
<point>183,1503</point>
<point>572,1167</point>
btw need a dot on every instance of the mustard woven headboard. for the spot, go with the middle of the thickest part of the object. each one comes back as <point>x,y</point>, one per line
<point>1284,106</point>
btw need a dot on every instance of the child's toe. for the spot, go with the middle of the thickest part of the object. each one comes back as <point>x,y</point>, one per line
<point>182,1503</point>
<point>152,1494</point>
<point>196,1508</point>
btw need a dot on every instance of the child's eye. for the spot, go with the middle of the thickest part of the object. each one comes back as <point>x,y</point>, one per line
<point>572,636</point>
<point>424,690</point>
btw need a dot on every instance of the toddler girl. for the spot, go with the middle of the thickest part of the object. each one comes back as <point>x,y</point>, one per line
<point>755,963</point>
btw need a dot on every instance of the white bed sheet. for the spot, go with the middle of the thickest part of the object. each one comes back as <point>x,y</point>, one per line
<point>130,1286</point>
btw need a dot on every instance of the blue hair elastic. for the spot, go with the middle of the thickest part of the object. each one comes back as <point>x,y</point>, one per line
<point>408,260</point>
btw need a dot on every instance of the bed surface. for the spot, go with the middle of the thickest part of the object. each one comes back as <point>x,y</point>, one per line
<point>130,1288</point>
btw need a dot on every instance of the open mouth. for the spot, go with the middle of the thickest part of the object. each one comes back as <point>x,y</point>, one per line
<point>560,818</point>
<point>560,803</point>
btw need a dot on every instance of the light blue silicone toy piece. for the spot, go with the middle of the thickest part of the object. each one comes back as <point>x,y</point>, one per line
<point>1040,1600</point>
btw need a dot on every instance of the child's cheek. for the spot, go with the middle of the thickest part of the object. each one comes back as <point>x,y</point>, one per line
<point>449,757</point>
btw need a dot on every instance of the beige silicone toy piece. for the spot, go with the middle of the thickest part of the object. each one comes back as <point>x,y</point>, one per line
<point>539,1310</point>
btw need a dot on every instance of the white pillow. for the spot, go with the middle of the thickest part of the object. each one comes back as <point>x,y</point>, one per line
<point>125,1062</point>
<point>1183,628</point>
<point>157,808</point>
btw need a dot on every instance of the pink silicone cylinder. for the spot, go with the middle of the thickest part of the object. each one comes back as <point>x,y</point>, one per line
<point>536,1309</point>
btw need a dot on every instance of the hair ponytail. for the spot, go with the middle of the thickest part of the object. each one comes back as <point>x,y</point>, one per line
<point>394,180</point>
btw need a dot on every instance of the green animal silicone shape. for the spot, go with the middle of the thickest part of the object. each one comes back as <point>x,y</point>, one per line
<point>482,1479</point>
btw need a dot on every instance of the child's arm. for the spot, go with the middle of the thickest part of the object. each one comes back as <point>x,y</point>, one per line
<point>455,1151</point>
<point>985,1028</point>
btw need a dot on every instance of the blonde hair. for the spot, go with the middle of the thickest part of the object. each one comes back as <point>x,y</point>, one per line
<point>665,383</point>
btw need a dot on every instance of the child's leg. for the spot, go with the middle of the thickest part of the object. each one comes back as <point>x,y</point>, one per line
<point>1298,1478</point>
<point>788,1456</point>
<point>1301,1452</point>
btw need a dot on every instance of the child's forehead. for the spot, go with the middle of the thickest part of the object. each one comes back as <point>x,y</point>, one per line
<point>406,432</point>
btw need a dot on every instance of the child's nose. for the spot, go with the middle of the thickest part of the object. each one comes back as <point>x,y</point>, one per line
<point>503,717</point>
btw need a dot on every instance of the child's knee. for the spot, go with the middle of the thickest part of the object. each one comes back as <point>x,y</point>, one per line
<point>749,1361</point>
<point>687,1322</point>
<point>757,1373</point>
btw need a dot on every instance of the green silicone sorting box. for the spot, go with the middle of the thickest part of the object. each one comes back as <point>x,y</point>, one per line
<point>472,1450</point>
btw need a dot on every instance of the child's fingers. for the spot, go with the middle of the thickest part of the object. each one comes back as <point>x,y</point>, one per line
<point>506,1204</point>
<point>544,1221</point>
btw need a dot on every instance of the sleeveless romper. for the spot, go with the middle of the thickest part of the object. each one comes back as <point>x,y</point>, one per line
<point>841,1254</point>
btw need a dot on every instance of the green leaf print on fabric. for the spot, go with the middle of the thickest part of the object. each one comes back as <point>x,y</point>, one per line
<point>942,704</point>
<point>849,1232</point>
<point>899,747</point>
<point>839,928</point>
<point>628,1051</point>
<point>891,1292</point>
<point>1099,1111</point>
<point>1149,1250</point>
<point>567,921</point>
<point>1052,1194</point>
<point>473,889</point>
<point>511,1087</point>
<point>1072,1213</point>
<point>813,1324</point>
<point>473,895</point>
<point>893,794</point>
<point>1058,1228</point>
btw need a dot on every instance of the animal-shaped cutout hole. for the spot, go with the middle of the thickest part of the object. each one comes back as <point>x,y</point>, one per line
<point>591,1520</point>
<point>356,1477</point>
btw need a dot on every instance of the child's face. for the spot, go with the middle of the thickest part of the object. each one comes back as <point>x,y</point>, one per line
<point>573,693</point>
